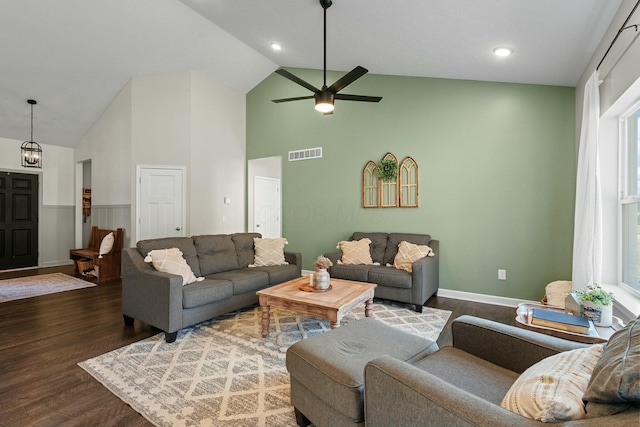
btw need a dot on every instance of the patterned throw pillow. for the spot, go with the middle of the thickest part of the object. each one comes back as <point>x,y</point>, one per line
<point>408,253</point>
<point>552,389</point>
<point>171,261</point>
<point>269,252</point>
<point>106,245</point>
<point>355,252</point>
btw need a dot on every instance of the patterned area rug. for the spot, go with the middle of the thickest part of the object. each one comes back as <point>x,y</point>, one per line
<point>32,286</point>
<point>222,372</point>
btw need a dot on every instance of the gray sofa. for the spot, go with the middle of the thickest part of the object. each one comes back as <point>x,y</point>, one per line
<point>160,300</point>
<point>393,284</point>
<point>463,385</point>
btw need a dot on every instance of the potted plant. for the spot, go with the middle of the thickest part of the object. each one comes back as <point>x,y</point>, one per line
<point>388,169</point>
<point>597,304</point>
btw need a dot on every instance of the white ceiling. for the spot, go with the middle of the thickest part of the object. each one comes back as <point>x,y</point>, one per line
<point>74,56</point>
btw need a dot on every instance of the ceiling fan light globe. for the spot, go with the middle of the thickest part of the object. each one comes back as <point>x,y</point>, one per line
<point>324,107</point>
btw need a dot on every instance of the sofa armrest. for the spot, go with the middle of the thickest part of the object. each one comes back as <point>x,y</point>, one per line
<point>423,400</point>
<point>507,346</point>
<point>149,295</point>
<point>425,274</point>
<point>294,258</point>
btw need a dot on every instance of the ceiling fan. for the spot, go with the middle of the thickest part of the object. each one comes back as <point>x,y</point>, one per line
<point>325,97</point>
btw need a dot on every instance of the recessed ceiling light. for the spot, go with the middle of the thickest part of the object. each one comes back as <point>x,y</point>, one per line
<point>502,51</point>
<point>276,46</point>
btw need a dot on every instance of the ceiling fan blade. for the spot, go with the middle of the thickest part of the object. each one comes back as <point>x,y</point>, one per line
<point>296,79</point>
<point>363,98</point>
<point>298,98</point>
<point>348,78</point>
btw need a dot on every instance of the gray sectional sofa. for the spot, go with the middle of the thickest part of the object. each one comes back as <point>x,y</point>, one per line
<point>393,284</point>
<point>161,300</point>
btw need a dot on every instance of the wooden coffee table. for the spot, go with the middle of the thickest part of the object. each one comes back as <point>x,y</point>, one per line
<point>331,305</point>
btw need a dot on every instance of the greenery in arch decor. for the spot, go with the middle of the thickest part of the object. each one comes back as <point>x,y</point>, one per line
<point>388,169</point>
<point>595,294</point>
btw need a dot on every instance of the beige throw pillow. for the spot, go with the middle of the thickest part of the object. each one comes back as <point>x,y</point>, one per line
<point>106,245</point>
<point>171,261</point>
<point>355,252</point>
<point>408,253</point>
<point>552,389</point>
<point>269,252</point>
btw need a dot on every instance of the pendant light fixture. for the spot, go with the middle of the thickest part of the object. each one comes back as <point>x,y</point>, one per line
<point>31,152</point>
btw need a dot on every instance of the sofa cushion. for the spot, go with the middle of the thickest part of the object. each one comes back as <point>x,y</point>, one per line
<point>469,373</point>
<point>244,280</point>
<point>408,253</point>
<point>395,239</point>
<point>216,253</point>
<point>616,377</point>
<point>552,389</point>
<point>279,273</point>
<point>378,243</point>
<point>359,273</point>
<point>185,244</point>
<point>244,247</point>
<point>269,252</point>
<point>205,292</point>
<point>355,251</point>
<point>389,276</point>
<point>171,261</point>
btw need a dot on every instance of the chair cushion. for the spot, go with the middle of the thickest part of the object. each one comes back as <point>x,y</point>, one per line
<point>106,245</point>
<point>244,247</point>
<point>244,280</point>
<point>390,277</point>
<point>359,273</point>
<point>378,244</point>
<point>216,253</point>
<point>205,292</point>
<point>396,238</point>
<point>552,389</point>
<point>269,252</point>
<point>185,244</point>
<point>616,376</point>
<point>470,373</point>
<point>408,253</point>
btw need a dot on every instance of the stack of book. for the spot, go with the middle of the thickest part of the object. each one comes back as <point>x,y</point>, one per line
<point>559,320</point>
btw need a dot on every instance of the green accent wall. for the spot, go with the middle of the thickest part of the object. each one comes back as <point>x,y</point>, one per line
<point>496,165</point>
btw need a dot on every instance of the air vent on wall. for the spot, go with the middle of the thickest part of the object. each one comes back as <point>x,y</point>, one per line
<point>309,153</point>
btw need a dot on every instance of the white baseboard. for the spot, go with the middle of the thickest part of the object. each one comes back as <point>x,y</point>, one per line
<point>482,298</point>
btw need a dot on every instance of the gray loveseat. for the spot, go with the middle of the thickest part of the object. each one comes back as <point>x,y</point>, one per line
<point>161,300</point>
<point>393,284</point>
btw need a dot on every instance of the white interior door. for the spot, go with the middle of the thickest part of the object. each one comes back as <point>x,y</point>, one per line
<point>161,209</point>
<point>266,207</point>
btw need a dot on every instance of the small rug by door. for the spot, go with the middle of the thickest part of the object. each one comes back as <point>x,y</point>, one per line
<point>32,286</point>
<point>222,372</point>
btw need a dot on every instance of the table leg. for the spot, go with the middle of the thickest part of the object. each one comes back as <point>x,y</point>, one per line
<point>265,321</point>
<point>368,306</point>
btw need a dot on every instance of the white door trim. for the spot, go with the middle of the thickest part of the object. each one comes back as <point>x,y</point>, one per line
<point>139,169</point>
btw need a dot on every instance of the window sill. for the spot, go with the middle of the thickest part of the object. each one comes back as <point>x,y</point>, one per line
<point>626,304</point>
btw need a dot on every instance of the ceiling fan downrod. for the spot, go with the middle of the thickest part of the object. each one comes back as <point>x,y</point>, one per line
<point>325,5</point>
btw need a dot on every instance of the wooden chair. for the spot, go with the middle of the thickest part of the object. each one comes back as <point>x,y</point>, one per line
<point>106,267</point>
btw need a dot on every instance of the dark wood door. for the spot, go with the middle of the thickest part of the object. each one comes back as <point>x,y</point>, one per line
<point>18,220</point>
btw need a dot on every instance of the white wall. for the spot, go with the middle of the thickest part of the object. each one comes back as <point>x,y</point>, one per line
<point>218,157</point>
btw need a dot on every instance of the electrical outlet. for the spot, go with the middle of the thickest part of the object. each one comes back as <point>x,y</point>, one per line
<point>502,274</point>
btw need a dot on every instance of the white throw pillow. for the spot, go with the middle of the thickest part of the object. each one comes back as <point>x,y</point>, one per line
<point>106,245</point>
<point>171,261</point>
<point>552,389</point>
<point>355,251</point>
<point>408,253</point>
<point>269,252</point>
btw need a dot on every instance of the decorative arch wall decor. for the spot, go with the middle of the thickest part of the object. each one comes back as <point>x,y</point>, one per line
<point>399,192</point>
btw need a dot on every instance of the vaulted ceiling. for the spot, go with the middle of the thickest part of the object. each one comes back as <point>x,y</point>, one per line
<point>74,56</point>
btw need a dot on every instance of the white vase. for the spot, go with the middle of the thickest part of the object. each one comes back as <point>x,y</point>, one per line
<point>602,315</point>
<point>321,279</point>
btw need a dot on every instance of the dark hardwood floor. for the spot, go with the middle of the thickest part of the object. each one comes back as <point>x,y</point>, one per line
<point>43,338</point>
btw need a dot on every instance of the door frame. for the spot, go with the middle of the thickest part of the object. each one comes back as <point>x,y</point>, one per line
<point>139,169</point>
<point>279,207</point>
